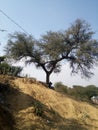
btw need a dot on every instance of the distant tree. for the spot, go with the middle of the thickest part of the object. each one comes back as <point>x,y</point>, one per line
<point>75,45</point>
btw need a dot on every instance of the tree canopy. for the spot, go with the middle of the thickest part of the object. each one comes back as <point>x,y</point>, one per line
<point>74,45</point>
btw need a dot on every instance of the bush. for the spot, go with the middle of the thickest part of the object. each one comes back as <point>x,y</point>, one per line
<point>91,90</point>
<point>15,70</point>
<point>38,108</point>
<point>77,92</point>
<point>83,93</point>
<point>2,58</point>
<point>60,87</point>
<point>5,68</point>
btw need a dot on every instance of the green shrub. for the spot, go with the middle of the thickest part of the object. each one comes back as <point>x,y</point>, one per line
<point>2,58</point>
<point>60,87</point>
<point>77,92</point>
<point>15,70</point>
<point>38,108</point>
<point>91,90</point>
<point>83,93</point>
<point>5,68</point>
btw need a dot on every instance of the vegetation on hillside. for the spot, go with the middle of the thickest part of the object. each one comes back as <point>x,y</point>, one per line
<point>77,92</point>
<point>26,104</point>
<point>7,69</point>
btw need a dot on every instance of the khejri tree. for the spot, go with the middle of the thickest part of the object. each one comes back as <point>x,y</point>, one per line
<point>75,45</point>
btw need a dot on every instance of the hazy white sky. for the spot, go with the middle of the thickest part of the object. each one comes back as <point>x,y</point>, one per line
<point>39,16</point>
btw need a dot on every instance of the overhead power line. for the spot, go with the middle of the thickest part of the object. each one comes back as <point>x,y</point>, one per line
<point>13,21</point>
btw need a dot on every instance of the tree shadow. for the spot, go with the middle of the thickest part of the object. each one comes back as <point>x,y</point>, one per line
<point>6,119</point>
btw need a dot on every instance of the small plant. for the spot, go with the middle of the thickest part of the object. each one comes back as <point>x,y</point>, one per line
<point>38,108</point>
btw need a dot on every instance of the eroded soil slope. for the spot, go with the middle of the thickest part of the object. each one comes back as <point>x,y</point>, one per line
<point>26,104</point>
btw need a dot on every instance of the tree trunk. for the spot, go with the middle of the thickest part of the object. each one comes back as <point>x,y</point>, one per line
<point>47,78</point>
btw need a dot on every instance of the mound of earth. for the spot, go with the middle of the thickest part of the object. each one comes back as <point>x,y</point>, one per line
<point>26,104</point>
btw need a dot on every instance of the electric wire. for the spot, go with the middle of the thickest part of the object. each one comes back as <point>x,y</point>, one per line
<point>14,22</point>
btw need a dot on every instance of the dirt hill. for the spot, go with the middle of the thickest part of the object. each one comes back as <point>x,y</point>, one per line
<point>26,104</point>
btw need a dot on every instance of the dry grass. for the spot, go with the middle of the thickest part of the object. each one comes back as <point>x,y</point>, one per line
<point>59,112</point>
